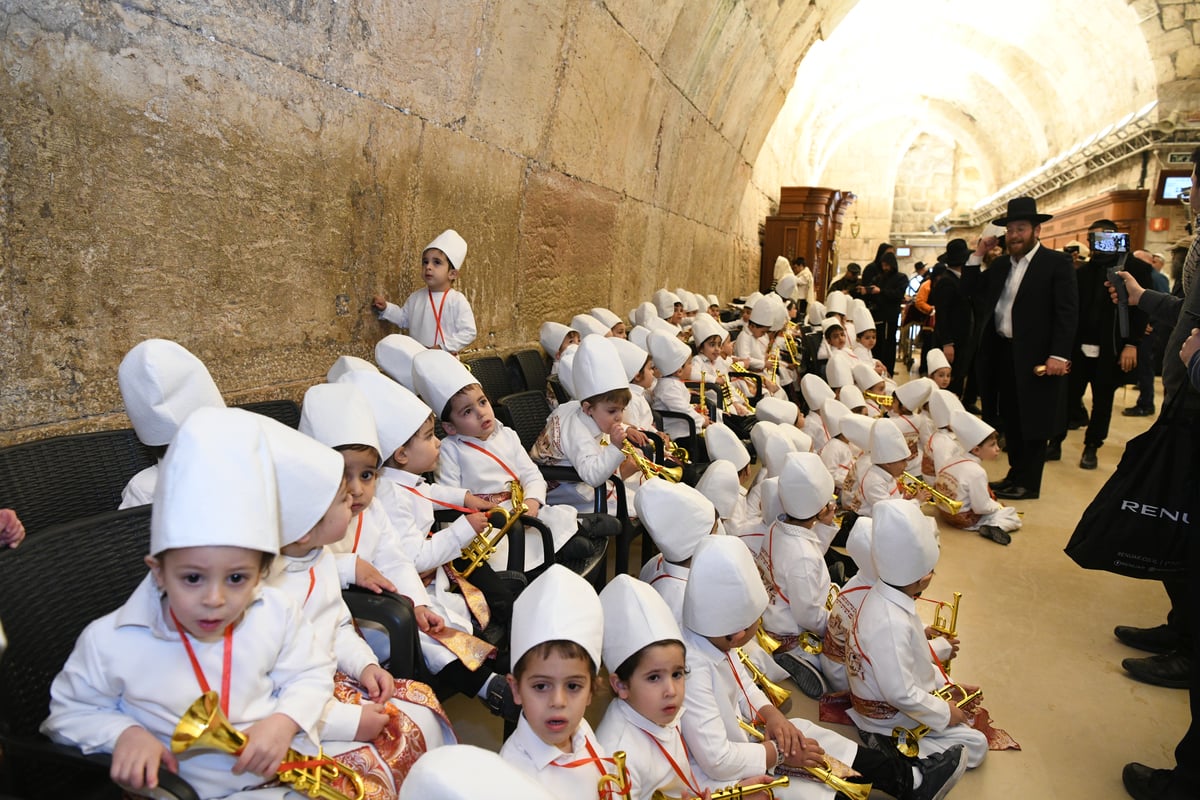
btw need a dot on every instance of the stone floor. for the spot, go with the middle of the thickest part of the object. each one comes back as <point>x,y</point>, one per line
<point>1037,636</point>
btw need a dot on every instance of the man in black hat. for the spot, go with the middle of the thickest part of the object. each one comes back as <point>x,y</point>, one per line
<point>954,322</point>
<point>1030,308</point>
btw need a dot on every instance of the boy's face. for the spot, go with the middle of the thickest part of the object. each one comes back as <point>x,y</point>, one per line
<point>645,378</point>
<point>746,314</point>
<point>727,347</point>
<point>436,270</point>
<point>360,473</point>
<point>420,453</point>
<point>941,377</point>
<point>554,693</point>
<point>208,588</point>
<point>471,414</point>
<point>715,312</point>
<point>676,314</point>
<point>733,640</point>
<point>867,339</point>
<point>618,330</point>
<point>894,468</point>
<point>756,330</point>
<point>605,414</point>
<point>916,588</point>
<point>710,348</point>
<point>568,340</point>
<point>988,449</point>
<point>836,338</point>
<point>655,689</point>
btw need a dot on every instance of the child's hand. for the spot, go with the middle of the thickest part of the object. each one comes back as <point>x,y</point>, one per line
<point>377,682</point>
<point>617,434</point>
<point>427,621</point>
<point>267,743</point>
<point>12,532</point>
<point>785,735</point>
<point>636,436</point>
<point>828,513</point>
<point>371,723</point>
<point>810,755</point>
<point>478,521</point>
<point>957,715</point>
<point>478,503</point>
<point>379,302</point>
<point>366,576</point>
<point>532,507</point>
<point>136,758</point>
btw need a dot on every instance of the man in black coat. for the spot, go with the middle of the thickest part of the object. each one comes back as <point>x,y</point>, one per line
<point>1030,309</point>
<point>954,322</point>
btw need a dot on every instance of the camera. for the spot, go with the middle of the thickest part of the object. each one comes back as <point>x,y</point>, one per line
<point>1109,242</point>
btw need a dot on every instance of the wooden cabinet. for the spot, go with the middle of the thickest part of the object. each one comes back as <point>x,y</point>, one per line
<point>1126,208</point>
<point>808,223</point>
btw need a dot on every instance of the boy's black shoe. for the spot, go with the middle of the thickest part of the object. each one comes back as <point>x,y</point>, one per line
<point>1159,639</point>
<point>1014,492</point>
<point>1138,411</point>
<point>1088,459</point>
<point>995,534</point>
<point>499,699</point>
<point>1054,451</point>
<point>806,677</point>
<point>1172,670</point>
<point>940,772</point>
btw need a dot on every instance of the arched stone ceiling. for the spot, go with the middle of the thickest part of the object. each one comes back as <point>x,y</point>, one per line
<point>1014,85</point>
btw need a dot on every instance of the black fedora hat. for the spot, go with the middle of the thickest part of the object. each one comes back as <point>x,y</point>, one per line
<point>1022,208</point>
<point>957,253</point>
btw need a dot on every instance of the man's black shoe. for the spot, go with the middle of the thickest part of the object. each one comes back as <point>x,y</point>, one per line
<point>1144,783</point>
<point>1088,459</point>
<point>1172,670</point>
<point>1014,492</point>
<point>1159,639</point>
<point>1003,483</point>
<point>1054,451</point>
<point>1137,411</point>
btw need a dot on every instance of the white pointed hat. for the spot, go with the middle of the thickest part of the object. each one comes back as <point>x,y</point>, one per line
<point>833,412</point>
<point>216,486</point>
<point>771,506</point>
<point>815,313</point>
<point>162,383</point>
<point>635,617</point>
<point>720,485</point>
<point>346,363</point>
<point>815,391</point>
<point>597,368</point>
<point>395,354</point>
<point>664,303</point>
<point>801,441</point>
<point>864,376</point>
<point>308,475</point>
<point>887,442</point>
<point>676,516</point>
<point>969,429</point>
<point>753,298</point>
<point>764,311</point>
<point>551,336</point>
<point>760,435</point>
<point>638,334</point>
<point>337,414</point>
<point>935,359</point>
<point>858,545</point>
<point>779,447</point>
<point>837,303</point>
<point>786,286</point>
<point>606,317</point>
<point>438,376</point>
<point>852,397</point>
<point>645,312</point>
<point>398,413</point>
<point>903,546</point>
<point>587,324</point>
<point>942,405</point>
<point>839,371</point>
<point>722,443</point>
<point>705,327</point>
<point>915,393</point>
<point>668,352</point>
<point>558,605</point>
<point>713,300</point>
<point>691,301</point>
<point>466,772</point>
<point>831,322</point>
<point>805,485</point>
<point>724,591</point>
<point>633,357</point>
<point>774,409</point>
<point>566,371</point>
<point>453,245</point>
<point>863,321</point>
<point>857,430</point>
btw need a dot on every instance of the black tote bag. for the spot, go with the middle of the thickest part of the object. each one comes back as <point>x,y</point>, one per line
<point>1139,523</point>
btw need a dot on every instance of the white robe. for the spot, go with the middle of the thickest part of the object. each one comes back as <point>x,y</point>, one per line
<point>571,438</point>
<point>624,730</point>
<point>670,394</point>
<point>965,479</point>
<point>792,561</point>
<point>419,316</point>
<point>545,762</point>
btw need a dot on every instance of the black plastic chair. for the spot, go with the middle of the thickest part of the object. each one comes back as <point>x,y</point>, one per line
<point>527,370</point>
<point>65,478</point>
<point>491,374</point>
<point>285,411</point>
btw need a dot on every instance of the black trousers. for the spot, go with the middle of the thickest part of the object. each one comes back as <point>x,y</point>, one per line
<point>1026,455</point>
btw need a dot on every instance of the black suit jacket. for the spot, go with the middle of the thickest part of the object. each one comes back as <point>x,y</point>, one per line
<point>1045,314</point>
<point>954,321</point>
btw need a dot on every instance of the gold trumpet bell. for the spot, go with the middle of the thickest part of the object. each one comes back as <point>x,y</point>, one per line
<point>774,692</point>
<point>204,726</point>
<point>766,641</point>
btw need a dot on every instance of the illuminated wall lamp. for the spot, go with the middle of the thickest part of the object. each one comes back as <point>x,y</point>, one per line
<point>1160,224</point>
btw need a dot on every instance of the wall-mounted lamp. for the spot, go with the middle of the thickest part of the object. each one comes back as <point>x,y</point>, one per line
<point>1160,224</point>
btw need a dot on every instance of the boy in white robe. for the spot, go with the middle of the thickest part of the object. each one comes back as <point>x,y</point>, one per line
<point>889,457</point>
<point>836,454</point>
<point>673,362</point>
<point>940,447</point>
<point>438,316</point>
<point>964,479</point>
<point>815,392</point>
<point>892,676</point>
<point>857,430</point>
<point>722,606</point>
<point>907,401</point>
<point>677,517</point>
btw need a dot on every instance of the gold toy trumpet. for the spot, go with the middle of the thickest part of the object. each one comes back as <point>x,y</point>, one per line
<point>483,546</point>
<point>766,641</point>
<point>204,725</point>
<point>774,692</point>
<point>678,453</point>
<point>908,739</point>
<point>702,407</point>
<point>880,399</point>
<point>855,791</point>
<point>619,781</point>
<point>649,468</point>
<point>734,792</point>
<point>948,628</point>
<point>945,502</point>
